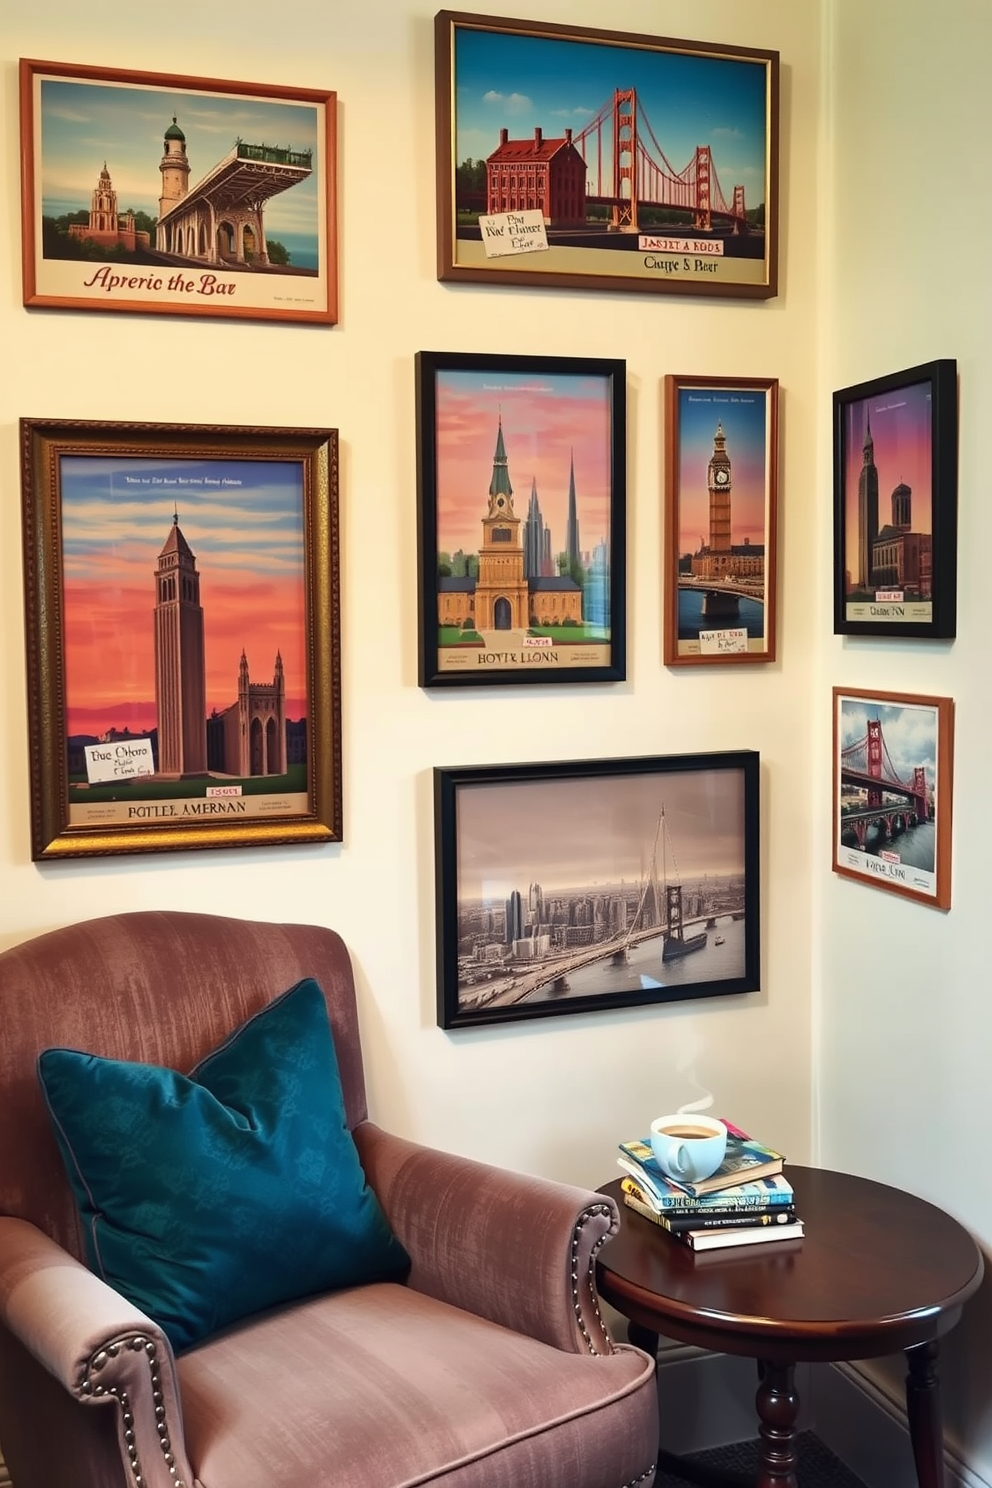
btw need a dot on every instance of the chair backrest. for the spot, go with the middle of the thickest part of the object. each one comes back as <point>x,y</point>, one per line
<point>159,987</point>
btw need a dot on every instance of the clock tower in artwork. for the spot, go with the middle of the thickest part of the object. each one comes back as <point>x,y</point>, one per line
<point>180,669</point>
<point>718,480</point>
<point>501,591</point>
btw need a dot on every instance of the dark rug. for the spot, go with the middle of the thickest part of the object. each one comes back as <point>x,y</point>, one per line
<point>818,1467</point>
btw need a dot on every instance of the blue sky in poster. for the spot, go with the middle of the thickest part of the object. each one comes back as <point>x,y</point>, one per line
<point>521,82</point>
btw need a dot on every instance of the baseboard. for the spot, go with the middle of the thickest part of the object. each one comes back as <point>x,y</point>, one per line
<point>869,1432</point>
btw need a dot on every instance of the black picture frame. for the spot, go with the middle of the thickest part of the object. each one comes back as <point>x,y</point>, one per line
<point>594,862</point>
<point>897,578</point>
<point>533,591</point>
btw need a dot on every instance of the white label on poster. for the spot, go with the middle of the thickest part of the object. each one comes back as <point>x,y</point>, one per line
<point>883,595</point>
<point>508,233</point>
<point>223,790</point>
<point>710,247</point>
<point>120,759</point>
<point>717,642</point>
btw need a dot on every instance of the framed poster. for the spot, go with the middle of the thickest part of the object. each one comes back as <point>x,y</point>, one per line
<point>892,772</point>
<point>521,518</point>
<point>895,504</point>
<point>595,884</point>
<point>721,502</point>
<point>175,195</point>
<point>576,158</point>
<point>181,609</point>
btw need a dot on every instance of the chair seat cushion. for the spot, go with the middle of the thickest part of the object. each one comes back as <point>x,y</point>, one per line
<point>209,1196</point>
<point>382,1387</point>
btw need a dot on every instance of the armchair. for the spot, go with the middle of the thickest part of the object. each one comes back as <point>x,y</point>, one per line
<point>490,1367</point>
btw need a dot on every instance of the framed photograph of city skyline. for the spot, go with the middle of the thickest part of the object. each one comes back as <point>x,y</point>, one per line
<point>893,758</point>
<point>183,643</point>
<point>721,519</point>
<point>175,195</point>
<point>895,504</point>
<point>521,494</point>
<point>595,884</point>
<point>578,158</point>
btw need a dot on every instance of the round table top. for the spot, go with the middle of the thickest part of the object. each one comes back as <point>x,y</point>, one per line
<point>877,1270</point>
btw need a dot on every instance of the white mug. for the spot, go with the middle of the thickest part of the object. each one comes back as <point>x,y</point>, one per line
<point>690,1147</point>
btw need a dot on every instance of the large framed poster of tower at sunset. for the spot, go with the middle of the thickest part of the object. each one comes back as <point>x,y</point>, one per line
<point>181,614</point>
<point>521,519</point>
<point>895,504</point>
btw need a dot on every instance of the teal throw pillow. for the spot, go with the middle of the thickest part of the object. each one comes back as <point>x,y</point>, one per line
<point>206,1197</point>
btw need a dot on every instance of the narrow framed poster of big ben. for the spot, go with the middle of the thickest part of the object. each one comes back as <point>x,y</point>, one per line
<point>521,488</point>
<point>721,501</point>
<point>183,641</point>
<point>895,504</point>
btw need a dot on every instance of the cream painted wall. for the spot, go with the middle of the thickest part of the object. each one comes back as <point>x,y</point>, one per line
<point>902,1008</point>
<point>550,1096</point>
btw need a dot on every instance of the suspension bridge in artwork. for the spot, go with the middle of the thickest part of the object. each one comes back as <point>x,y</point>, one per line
<point>889,802</point>
<point>627,169</point>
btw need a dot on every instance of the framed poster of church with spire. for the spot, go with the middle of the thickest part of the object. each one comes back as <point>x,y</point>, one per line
<point>721,501</point>
<point>181,611</point>
<point>177,195</point>
<point>521,519</point>
<point>895,504</point>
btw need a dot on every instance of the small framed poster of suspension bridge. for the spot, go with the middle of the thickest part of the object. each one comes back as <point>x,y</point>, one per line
<point>582,158</point>
<point>590,885</point>
<point>892,755</point>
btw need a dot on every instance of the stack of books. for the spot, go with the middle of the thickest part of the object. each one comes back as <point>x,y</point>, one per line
<point>747,1200</point>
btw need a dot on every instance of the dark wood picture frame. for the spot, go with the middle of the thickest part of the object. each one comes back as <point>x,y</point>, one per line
<point>892,792</point>
<point>165,565</point>
<point>592,885</point>
<point>896,445</point>
<point>721,520</point>
<point>521,487</point>
<point>600,205</point>
<point>210,230</point>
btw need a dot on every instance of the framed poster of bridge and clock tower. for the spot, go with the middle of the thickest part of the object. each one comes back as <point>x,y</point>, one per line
<point>572,157</point>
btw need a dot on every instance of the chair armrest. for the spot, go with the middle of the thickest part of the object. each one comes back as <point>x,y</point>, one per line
<point>98,1346</point>
<point>515,1249</point>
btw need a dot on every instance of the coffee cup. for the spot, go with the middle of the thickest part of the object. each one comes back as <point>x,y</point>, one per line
<point>688,1148</point>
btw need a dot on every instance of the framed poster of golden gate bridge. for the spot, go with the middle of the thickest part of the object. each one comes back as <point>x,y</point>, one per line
<point>177,195</point>
<point>892,769</point>
<point>181,612</point>
<point>582,158</point>
<point>595,884</point>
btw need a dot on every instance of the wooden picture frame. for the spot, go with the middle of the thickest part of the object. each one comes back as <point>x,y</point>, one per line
<point>721,520</point>
<point>595,884</point>
<point>176,195</point>
<point>895,504</point>
<point>183,639</point>
<point>521,481</point>
<point>893,765</point>
<point>555,151</point>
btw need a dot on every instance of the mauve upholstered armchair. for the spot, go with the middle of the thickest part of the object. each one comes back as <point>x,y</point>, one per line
<point>490,1367</point>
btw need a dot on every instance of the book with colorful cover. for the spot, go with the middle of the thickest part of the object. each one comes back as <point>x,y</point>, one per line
<point>764,1193</point>
<point>746,1161</point>
<point>700,1218</point>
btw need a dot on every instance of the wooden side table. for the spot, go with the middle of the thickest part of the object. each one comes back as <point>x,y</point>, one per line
<point>879,1270</point>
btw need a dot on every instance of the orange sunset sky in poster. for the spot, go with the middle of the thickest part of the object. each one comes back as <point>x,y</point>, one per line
<point>243,520</point>
<point>546,421</point>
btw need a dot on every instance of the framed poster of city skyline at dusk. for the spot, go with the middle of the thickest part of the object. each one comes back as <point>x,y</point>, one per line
<point>521,518</point>
<point>721,519</point>
<point>177,195</point>
<point>181,615</point>
<point>590,885</point>
<point>895,504</point>
<point>579,158</point>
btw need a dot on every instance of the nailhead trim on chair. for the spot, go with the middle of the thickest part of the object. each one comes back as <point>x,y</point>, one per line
<point>643,1478</point>
<point>137,1342</point>
<point>592,1212</point>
